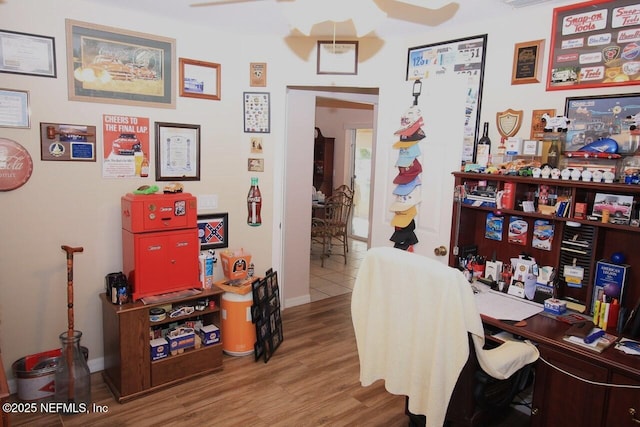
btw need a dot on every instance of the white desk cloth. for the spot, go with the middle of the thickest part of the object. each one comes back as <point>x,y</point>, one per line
<point>411,317</point>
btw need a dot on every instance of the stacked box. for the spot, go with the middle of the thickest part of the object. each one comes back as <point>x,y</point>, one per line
<point>181,338</point>
<point>159,348</point>
<point>209,334</point>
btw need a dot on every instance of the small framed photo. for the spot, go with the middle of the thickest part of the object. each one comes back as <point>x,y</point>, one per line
<point>256,145</point>
<point>177,152</point>
<point>259,289</point>
<point>527,62</point>
<point>255,165</point>
<point>258,74</point>
<point>199,79</point>
<point>29,54</point>
<point>337,57</point>
<point>67,142</point>
<point>618,206</point>
<point>257,116</point>
<point>537,125</point>
<point>14,109</point>
<point>213,231</point>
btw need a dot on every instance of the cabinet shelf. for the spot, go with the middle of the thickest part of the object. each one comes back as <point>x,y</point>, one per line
<point>129,371</point>
<point>470,223</point>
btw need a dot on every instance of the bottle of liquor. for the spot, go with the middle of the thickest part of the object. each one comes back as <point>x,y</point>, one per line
<point>144,167</point>
<point>553,155</point>
<point>483,150</point>
<point>254,204</point>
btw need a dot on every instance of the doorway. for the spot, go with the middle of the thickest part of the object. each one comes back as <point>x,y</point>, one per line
<point>297,183</point>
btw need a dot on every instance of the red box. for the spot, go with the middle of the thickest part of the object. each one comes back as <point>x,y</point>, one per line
<point>142,213</point>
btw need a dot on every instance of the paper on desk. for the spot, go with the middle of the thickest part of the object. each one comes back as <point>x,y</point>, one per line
<point>505,307</point>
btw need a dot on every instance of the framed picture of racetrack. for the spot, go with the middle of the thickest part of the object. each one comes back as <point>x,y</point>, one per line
<point>117,66</point>
<point>606,116</point>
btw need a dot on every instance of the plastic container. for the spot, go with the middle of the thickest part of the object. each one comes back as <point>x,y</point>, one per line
<point>239,332</point>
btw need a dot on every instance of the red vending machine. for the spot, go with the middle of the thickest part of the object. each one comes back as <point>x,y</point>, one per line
<point>160,243</point>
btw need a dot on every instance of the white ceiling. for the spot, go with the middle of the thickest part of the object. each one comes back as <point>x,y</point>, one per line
<point>266,16</point>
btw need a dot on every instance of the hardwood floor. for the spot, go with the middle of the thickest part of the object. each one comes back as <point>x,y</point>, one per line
<point>311,380</point>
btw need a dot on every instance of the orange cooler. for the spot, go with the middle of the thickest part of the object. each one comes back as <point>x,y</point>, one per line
<point>239,332</point>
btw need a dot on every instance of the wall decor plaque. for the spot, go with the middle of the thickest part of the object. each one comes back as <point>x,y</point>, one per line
<point>16,165</point>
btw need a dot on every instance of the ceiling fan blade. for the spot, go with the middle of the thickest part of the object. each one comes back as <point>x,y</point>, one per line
<point>221,2</point>
<point>418,14</point>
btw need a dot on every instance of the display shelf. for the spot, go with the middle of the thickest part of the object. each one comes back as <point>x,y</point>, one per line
<point>608,238</point>
<point>129,371</point>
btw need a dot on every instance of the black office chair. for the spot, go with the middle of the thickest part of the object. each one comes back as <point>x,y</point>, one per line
<point>416,318</point>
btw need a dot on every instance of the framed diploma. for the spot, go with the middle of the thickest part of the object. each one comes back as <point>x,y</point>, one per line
<point>14,109</point>
<point>177,152</point>
<point>31,54</point>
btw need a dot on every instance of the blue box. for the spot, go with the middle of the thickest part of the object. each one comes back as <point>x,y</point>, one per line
<point>209,334</point>
<point>555,306</point>
<point>159,348</point>
<point>181,338</point>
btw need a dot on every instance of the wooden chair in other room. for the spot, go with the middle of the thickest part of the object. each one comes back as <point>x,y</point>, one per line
<point>332,230</point>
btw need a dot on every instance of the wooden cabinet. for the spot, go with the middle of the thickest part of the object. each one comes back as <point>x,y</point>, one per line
<point>323,163</point>
<point>470,223</point>
<point>623,408</point>
<point>560,399</point>
<point>129,371</point>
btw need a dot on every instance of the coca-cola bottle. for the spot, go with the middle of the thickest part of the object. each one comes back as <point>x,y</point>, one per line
<point>254,204</point>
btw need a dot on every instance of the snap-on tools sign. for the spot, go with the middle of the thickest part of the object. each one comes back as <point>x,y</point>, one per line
<point>595,44</point>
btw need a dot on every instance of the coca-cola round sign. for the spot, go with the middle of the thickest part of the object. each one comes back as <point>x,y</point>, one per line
<point>16,165</point>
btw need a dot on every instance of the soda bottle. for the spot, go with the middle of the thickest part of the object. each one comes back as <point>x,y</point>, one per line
<point>254,204</point>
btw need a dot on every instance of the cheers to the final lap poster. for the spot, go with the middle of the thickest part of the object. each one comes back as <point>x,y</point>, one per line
<point>126,145</point>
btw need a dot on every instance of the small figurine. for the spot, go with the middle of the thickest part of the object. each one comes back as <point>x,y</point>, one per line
<point>555,124</point>
<point>636,121</point>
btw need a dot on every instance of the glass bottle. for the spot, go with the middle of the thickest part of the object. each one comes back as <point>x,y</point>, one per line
<point>484,147</point>
<point>553,155</point>
<point>72,378</point>
<point>254,204</point>
<point>144,167</point>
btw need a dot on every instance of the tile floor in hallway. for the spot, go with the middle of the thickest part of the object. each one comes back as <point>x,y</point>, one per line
<point>335,278</point>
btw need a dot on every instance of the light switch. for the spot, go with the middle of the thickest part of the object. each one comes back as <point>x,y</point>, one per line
<point>207,201</point>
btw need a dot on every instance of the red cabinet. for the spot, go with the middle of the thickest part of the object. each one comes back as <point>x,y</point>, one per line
<point>160,243</point>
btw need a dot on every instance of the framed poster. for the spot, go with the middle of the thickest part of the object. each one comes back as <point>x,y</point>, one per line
<point>461,56</point>
<point>606,116</point>
<point>14,109</point>
<point>177,152</point>
<point>337,57</point>
<point>256,112</point>
<point>67,142</point>
<point>199,79</point>
<point>527,62</point>
<point>213,231</point>
<point>258,74</point>
<point>30,54</point>
<point>116,66</point>
<point>594,44</point>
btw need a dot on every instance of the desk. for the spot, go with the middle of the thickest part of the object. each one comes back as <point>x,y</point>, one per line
<point>561,400</point>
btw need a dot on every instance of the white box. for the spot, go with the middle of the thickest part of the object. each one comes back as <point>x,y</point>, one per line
<point>530,147</point>
<point>514,146</point>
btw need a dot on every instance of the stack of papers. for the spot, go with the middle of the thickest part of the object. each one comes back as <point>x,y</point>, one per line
<point>629,346</point>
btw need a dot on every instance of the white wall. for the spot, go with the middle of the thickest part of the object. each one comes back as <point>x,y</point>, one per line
<point>70,203</point>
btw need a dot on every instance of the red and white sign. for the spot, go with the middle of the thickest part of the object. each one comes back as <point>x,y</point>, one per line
<point>16,165</point>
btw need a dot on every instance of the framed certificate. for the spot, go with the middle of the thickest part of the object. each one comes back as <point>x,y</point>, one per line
<point>177,152</point>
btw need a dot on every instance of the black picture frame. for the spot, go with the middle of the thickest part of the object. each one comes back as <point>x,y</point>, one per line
<point>603,116</point>
<point>177,152</point>
<point>257,112</point>
<point>463,56</point>
<point>32,47</point>
<point>213,231</point>
<point>266,315</point>
<point>259,289</point>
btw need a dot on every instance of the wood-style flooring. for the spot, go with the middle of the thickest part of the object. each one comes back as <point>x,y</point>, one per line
<point>311,380</point>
